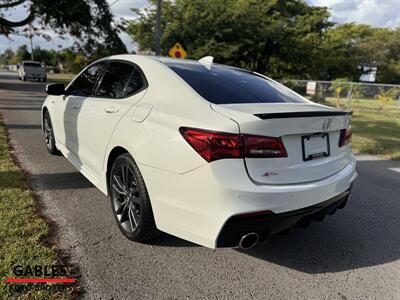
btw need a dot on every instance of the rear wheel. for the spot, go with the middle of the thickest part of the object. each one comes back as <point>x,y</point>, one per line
<point>130,201</point>
<point>23,78</point>
<point>49,135</point>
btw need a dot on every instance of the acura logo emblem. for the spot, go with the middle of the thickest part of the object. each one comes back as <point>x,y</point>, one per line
<point>327,123</point>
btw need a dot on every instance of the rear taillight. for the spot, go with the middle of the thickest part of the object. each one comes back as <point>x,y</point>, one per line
<point>345,136</point>
<point>213,145</point>
<point>263,146</point>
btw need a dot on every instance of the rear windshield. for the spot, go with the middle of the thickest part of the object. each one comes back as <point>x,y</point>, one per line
<point>226,85</point>
<point>31,64</point>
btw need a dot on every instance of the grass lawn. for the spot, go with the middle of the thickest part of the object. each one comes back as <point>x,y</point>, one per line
<point>376,129</point>
<point>21,229</point>
<point>60,77</point>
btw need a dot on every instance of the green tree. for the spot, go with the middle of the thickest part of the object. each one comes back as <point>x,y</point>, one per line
<point>21,54</point>
<point>5,58</point>
<point>338,87</point>
<point>278,37</point>
<point>349,50</point>
<point>340,53</point>
<point>85,19</point>
<point>73,59</point>
<point>48,57</point>
<point>381,50</point>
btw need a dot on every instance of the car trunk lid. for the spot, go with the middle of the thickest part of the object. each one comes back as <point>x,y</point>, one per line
<point>309,132</point>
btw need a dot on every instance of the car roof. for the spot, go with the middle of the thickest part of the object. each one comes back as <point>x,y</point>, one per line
<point>169,60</point>
<point>162,59</point>
<point>31,61</point>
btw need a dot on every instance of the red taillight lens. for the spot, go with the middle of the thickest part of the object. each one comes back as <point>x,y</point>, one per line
<point>345,136</point>
<point>213,145</point>
<point>263,146</point>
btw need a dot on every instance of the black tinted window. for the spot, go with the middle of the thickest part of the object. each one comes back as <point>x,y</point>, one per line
<point>31,64</point>
<point>135,83</point>
<point>120,80</point>
<point>225,85</point>
<point>84,84</point>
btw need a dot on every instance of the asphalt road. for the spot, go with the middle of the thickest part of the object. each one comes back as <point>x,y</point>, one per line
<point>353,254</point>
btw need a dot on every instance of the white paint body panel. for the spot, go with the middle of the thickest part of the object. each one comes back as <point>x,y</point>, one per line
<point>191,198</point>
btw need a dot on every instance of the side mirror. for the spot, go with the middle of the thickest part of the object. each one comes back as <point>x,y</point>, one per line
<point>55,89</point>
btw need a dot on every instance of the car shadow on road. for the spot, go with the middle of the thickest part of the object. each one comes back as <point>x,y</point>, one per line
<point>167,240</point>
<point>10,84</point>
<point>365,233</point>
<point>24,126</point>
<point>43,182</point>
<point>20,108</point>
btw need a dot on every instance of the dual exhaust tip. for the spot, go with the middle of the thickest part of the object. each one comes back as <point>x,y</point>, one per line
<point>248,240</point>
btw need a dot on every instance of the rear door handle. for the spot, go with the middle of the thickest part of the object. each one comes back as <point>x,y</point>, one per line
<point>76,107</point>
<point>111,110</point>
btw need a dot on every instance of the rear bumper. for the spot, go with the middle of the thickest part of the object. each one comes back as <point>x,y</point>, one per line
<point>197,205</point>
<point>268,225</point>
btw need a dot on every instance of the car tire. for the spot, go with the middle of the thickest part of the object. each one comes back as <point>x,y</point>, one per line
<point>130,200</point>
<point>44,79</point>
<point>23,78</point>
<point>49,135</point>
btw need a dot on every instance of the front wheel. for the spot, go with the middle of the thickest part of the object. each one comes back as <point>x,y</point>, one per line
<point>49,135</point>
<point>130,201</point>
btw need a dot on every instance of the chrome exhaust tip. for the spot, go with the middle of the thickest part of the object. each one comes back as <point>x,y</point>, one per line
<point>248,240</point>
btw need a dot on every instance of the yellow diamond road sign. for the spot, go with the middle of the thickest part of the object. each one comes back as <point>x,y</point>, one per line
<point>177,51</point>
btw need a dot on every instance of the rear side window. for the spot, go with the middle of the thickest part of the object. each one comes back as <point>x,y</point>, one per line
<point>120,80</point>
<point>135,83</point>
<point>226,85</point>
<point>85,83</point>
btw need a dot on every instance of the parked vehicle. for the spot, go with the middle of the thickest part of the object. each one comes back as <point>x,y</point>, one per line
<point>32,70</point>
<point>216,155</point>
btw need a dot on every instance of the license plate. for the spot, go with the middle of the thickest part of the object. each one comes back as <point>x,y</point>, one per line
<point>315,146</point>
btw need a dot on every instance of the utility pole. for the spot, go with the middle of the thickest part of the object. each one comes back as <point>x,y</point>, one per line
<point>158,28</point>
<point>30,38</point>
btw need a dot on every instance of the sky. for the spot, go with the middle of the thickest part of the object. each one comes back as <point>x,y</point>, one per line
<point>378,13</point>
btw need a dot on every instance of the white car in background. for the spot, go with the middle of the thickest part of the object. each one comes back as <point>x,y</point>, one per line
<point>32,70</point>
<point>216,155</point>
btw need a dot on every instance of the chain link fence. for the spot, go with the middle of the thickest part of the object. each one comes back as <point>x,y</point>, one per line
<point>342,94</point>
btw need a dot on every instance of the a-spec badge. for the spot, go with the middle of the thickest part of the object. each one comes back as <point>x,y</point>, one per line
<point>267,174</point>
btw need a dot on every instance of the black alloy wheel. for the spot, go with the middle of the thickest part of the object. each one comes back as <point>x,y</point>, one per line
<point>130,200</point>
<point>49,135</point>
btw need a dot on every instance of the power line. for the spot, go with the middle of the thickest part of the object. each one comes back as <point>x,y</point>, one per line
<point>113,3</point>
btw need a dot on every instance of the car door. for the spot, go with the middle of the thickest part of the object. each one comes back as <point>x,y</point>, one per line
<point>69,106</point>
<point>121,86</point>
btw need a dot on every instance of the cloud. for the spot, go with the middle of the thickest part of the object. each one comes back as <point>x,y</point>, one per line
<point>378,13</point>
<point>122,8</point>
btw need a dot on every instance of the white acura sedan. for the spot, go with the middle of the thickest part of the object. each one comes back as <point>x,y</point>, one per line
<point>216,155</point>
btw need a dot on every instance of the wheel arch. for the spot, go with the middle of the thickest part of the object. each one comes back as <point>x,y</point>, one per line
<point>44,110</point>
<point>112,156</point>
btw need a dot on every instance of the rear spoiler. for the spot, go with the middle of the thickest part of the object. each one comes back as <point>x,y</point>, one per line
<point>303,114</point>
